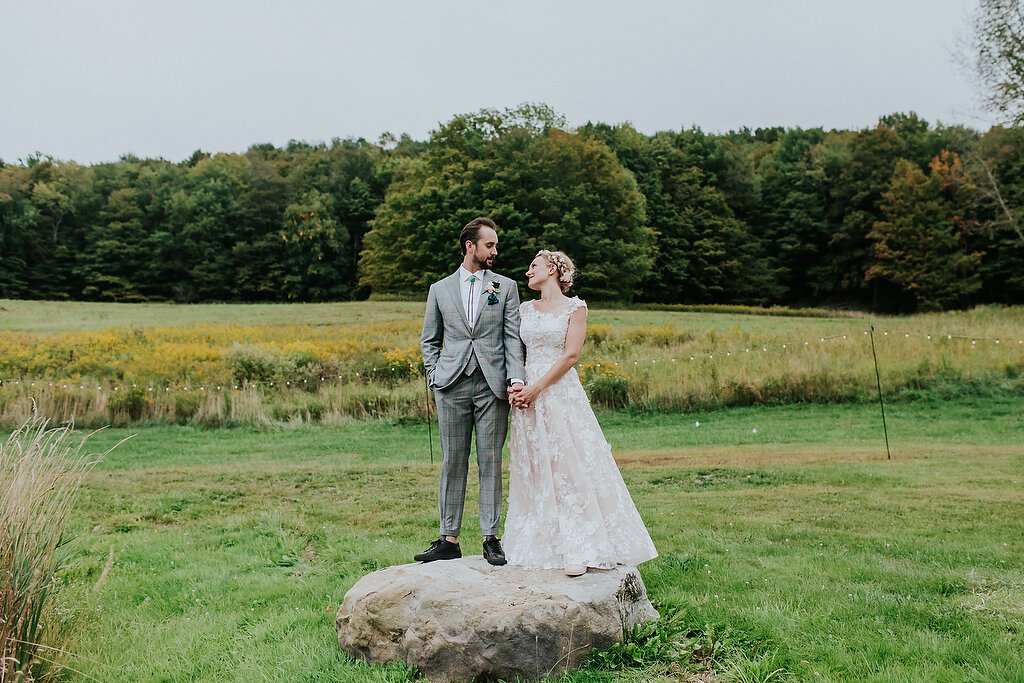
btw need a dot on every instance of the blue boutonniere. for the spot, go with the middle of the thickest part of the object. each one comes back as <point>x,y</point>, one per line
<point>493,289</point>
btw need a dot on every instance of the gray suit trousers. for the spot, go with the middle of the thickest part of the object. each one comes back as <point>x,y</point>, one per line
<point>469,403</point>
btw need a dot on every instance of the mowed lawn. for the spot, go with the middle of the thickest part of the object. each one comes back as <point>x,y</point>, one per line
<point>799,545</point>
<point>47,317</point>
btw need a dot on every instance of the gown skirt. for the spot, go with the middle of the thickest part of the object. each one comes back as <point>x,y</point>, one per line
<point>568,504</point>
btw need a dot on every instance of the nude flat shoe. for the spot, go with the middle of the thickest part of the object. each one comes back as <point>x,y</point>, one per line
<point>575,570</point>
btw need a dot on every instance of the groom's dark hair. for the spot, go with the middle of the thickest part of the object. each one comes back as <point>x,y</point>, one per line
<point>471,233</point>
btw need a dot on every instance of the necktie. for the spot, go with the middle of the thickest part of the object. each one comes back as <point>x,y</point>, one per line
<point>469,303</point>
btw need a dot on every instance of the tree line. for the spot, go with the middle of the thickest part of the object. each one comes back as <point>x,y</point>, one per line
<point>902,216</point>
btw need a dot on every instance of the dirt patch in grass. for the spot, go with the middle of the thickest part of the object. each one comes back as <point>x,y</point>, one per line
<point>788,454</point>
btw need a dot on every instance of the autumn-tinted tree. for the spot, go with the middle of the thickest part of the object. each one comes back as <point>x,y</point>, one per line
<point>856,207</point>
<point>919,244</point>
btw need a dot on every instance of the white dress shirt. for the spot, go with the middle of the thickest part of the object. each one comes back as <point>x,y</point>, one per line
<point>477,287</point>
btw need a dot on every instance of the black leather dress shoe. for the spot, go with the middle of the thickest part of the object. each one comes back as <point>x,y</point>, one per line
<point>493,552</point>
<point>440,550</point>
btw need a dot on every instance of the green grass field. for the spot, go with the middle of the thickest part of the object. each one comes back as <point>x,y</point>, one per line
<point>789,542</point>
<point>48,317</point>
<point>799,545</point>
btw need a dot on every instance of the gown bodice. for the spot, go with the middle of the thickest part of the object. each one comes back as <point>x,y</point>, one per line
<point>544,334</point>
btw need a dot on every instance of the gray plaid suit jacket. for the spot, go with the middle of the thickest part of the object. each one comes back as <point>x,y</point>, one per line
<point>447,338</point>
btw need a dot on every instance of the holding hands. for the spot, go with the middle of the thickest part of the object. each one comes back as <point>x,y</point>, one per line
<point>522,396</point>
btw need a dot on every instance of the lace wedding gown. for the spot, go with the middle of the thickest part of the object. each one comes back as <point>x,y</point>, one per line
<point>567,503</point>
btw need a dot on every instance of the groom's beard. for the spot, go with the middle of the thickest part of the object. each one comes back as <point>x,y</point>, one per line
<point>483,264</point>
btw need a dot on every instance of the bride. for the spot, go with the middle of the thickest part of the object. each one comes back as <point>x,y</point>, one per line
<point>568,506</point>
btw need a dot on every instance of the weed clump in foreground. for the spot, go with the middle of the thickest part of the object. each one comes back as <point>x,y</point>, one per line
<point>666,647</point>
<point>41,470</point>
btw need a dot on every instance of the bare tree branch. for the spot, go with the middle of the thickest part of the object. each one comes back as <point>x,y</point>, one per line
<point>994,193</point>
<point>998,45</point>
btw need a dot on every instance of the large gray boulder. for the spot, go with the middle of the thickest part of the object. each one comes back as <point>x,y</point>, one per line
<point>462,619</point>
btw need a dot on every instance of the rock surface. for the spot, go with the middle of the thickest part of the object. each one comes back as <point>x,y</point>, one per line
<point>463,619</point>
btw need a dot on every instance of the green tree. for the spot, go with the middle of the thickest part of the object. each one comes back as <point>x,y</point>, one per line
<point>55,204</point>
<point>543,186</point>
<point>17,216</point>
<point>115,256</point>
<point>856,207</point>
<point>314,250</point>
<point>257,251</point>
<point>353,176</point>
<point>648,160</point>
<point>55,190</point>
<point>793,223</point>
<point>703,252</point>
<point>753,216</point>
<point>203,216</point>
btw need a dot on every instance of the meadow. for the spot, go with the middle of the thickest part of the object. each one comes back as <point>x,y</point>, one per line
<point>791,546</point>
<point>271,364</point>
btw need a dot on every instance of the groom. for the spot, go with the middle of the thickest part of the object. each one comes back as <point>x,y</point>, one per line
<point>471,352</point>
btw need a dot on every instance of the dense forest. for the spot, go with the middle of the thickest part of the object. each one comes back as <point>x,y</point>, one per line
<point>903,216</point>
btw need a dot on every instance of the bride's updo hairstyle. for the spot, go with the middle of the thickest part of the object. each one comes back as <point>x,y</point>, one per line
<point>566,270</point>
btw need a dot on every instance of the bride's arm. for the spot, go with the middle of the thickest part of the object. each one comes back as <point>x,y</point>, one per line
<point>574,338</point>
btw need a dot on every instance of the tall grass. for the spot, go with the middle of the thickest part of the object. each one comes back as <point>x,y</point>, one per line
<point>41,470</point>
<point>227,374</point>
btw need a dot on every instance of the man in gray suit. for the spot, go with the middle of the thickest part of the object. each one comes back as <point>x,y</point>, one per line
<point>471,353</point>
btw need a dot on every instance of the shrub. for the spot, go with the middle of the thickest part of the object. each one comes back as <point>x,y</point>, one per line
<point>299,355</point>
<point>405,363</point>
<point>391,368</point>
<point>132,403</point>
<point>609,392</point>
<point>1012,370</point>
<point>599,333</point>
<point>375,369</point>
<point>663,336</point>
<point>186,405</point>
<point>605,383</point>
<point>250,363</point>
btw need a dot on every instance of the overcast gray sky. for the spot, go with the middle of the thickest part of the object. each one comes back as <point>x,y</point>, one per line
<point>90,81</point>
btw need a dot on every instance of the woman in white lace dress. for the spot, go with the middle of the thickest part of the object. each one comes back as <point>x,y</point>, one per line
<point>568,506</point>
